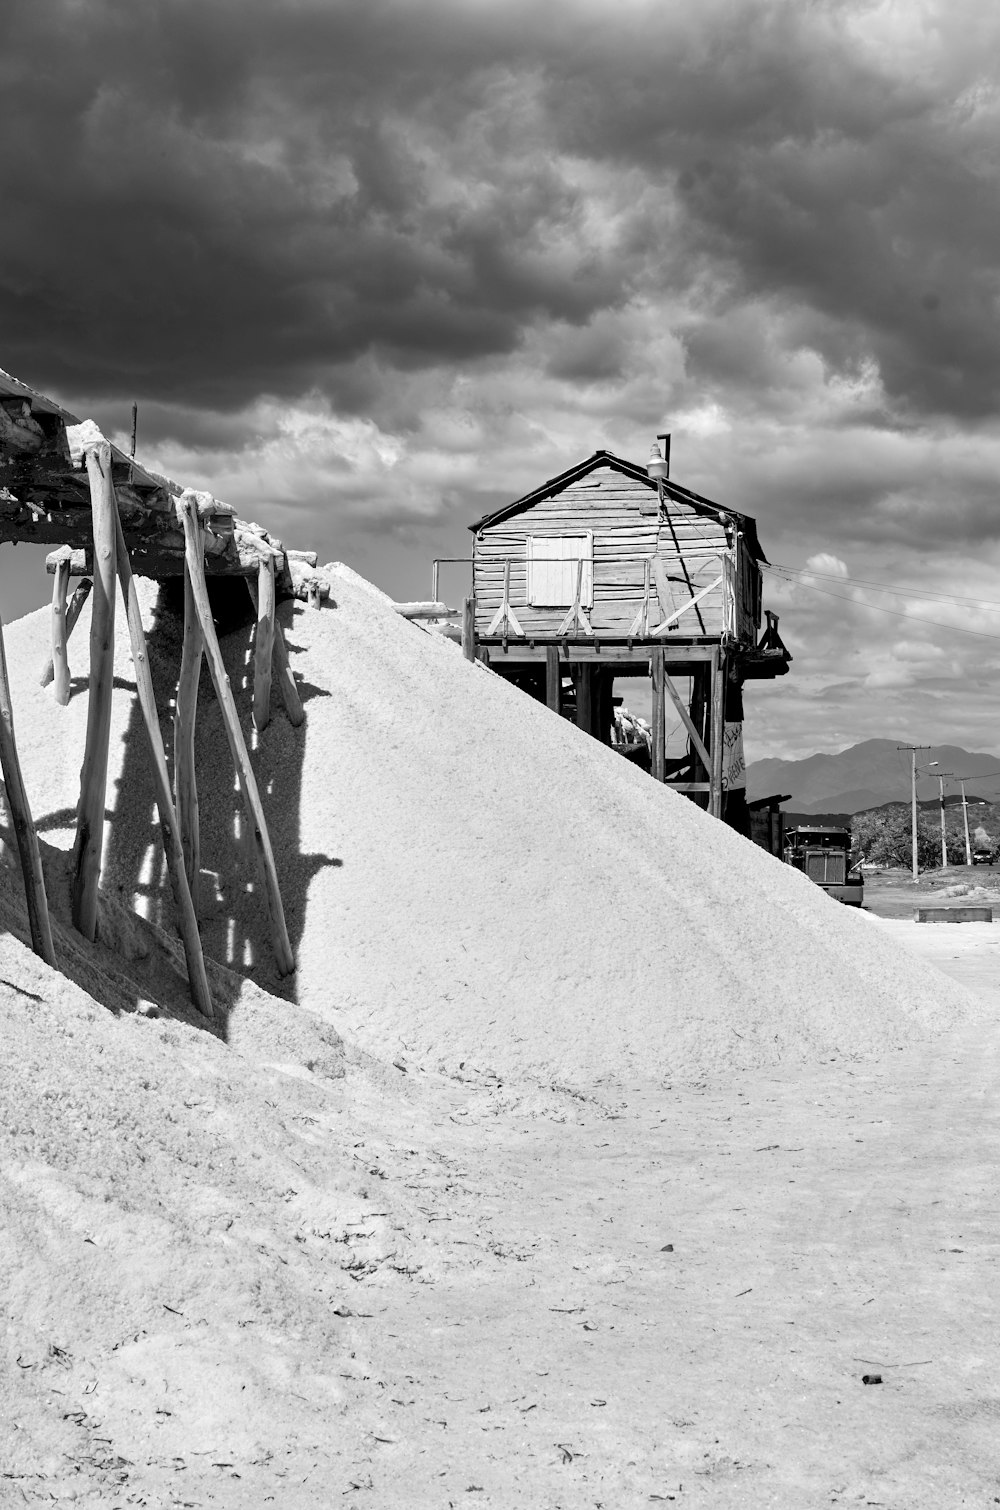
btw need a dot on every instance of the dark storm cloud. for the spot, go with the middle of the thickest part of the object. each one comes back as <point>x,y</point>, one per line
<point>209,201</point>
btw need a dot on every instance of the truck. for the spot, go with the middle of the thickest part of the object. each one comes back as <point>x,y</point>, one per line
<point>824,855</point>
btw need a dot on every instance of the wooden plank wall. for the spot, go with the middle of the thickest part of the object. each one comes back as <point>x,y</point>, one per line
<point>611,505</point>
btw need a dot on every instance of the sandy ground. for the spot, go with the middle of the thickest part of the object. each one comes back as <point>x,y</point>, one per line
<point>450,1292</point>
<point>338,1259</point>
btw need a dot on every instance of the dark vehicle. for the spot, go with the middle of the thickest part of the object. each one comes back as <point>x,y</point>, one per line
<point>824,855</point>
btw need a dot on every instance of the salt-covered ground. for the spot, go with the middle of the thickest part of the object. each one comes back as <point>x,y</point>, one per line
<point>633,1236</point>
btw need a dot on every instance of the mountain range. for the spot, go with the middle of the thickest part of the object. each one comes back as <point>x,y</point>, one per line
<point>870,774</point>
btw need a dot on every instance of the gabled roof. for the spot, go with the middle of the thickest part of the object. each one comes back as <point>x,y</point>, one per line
<point>638,474</point>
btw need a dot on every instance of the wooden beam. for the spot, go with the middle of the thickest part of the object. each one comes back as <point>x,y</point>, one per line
<point>469,628</point>
<point>553,678</point>
<point>584,678</point>
<point>282,666</point>
<point>718,727</point>
<point>687,721</point>
<point>237,745</point>
<point>73,611</point>
<point>185,720</point>
<point>187,921</point>
<point>94,774</point>
<point>60,633</point>
<point>659,749</point>
<point>263,650</point>
<point>24,828</point>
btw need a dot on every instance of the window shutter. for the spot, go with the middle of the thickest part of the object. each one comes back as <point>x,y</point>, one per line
<point>552,566</point>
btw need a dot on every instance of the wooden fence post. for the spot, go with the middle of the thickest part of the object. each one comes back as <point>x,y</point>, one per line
<point>657,668</point>
<point>60,632</point>
<point>73,611</point>
<point>187,921</point>
<point>94,773</point>
<point>263,650</point>
<point>195,562</point>
<point>24,828</point>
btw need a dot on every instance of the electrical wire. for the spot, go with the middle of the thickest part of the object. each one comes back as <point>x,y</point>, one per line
<point>897,592</point>
<point>897,613</point>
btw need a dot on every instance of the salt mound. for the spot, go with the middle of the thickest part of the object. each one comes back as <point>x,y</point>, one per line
<point>467,879</point>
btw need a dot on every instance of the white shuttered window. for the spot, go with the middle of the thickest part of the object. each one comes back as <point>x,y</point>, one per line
<point>552,568</point>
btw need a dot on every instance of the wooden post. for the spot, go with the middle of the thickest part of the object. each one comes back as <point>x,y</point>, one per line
<point>24,828</point>
<point>73,611</point>
<point>187,921</point>
<point>553,678</point>
<point>659,751</point>
<point>718,729</point>
<point>282,665</point>
<point>286,681</point>
<point>585,698</point>
<point>468,628</point>
<point>185,719</point>
<point>195,561</point>
<point>94,773</point>
<point>60,634</point>
<point>263,650</point>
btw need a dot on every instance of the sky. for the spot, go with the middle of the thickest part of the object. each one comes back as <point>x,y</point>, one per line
<point>372,267</point>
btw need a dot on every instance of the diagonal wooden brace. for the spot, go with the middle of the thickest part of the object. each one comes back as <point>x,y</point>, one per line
<point>195,564</point>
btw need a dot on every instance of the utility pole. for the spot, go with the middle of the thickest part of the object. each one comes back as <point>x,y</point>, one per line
<point>913,800</point>
<point>965,820</point>
<point>942,776</point>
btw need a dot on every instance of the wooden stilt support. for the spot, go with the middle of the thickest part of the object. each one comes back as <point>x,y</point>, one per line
<point>697,743</point>
<point>718,726</point>
<point>553,678</point>
<point>185,720</point>
<point>659,752</point>
<point>73,611</point>
<point>585,698</point>
<point>187,921</point>
<point>24,828</point>
<point>195,563</point>
<point>94,774</point>
<point>263,650</point>
<point>469,629</point>
<point>60,659</point>
<point>282,666</point>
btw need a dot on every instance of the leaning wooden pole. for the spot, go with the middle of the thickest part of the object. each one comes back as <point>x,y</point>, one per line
<point>60,632</point>
<point>187,922</point>
<point>263,650</point>
<point>94,773</point>
<point>73,611</point>
<point>282,666</point>
<point>195,563</point>
<point>24,828</point>
<point>185,719</point>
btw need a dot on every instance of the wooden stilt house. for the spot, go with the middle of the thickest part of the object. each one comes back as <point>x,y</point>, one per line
<point>613,570</point>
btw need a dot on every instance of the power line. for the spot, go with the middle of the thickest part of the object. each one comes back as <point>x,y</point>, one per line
<point>897,613</point>
<point>897,592</point>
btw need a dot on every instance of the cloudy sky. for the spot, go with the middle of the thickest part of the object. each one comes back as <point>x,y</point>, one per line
<point>370,268</point>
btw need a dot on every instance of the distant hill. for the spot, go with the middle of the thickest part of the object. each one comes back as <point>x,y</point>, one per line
<point>868,775</point>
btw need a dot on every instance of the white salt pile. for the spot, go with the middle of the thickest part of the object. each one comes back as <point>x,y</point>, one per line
<point>468,880</point>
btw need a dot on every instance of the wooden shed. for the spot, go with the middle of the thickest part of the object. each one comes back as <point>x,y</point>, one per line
<point>612,569</point>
